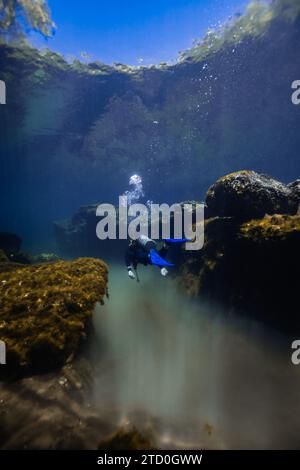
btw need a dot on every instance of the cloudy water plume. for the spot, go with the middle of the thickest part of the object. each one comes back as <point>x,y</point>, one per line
<point>193,376</point>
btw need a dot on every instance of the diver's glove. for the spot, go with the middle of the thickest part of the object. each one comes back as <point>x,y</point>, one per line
<point>131,274</point>
<point>164,272</point>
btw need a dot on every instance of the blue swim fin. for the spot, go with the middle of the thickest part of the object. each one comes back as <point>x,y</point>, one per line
<point>177,240</point>
<point>158,260</point>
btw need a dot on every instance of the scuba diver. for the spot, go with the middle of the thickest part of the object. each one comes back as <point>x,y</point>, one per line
<point>144,251</point>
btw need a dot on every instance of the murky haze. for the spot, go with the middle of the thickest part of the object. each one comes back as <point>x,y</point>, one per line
<point>189,375</point>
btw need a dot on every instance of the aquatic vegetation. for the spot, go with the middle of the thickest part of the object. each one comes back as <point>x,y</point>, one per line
<point>45,310</point>
<point>271,228</point>
<point>35,13</point>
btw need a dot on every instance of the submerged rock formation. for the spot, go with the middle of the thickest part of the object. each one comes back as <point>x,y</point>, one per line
<point>76,235</point>
<point>247,195</point>
<point>10,243</point>
<point>252,265</point>
<point>127,438</point>
<point>45,311</point>
<point>51,411</point>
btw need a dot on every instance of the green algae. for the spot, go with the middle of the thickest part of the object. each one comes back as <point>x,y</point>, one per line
<point>274,227</point>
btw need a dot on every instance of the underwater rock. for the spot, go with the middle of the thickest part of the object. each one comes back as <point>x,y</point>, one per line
<point>250,266</point>
<point>127,438</point>
<point>9,264</point>
<point>56,411</point>
<point>253,267</point>
<point>10,243</point>
<point>247,195</point>
<point>295,188</point>
<point>45,311</point>
<point>52,411</point>
<point>196,266</point>
<point>77,235</point>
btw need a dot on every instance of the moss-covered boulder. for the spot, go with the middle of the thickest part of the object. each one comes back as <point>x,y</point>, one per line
<point>250,261</point>
<point>252,267</point>
<point>45,311</point>
<point>247,195</point>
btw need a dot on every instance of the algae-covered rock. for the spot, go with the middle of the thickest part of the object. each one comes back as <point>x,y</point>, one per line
<point>273,228</point>
<point>247,195</point>
<point>9,263</point>
<point>253,267</point>
<point>197,267</point>
<point>44,311</point>
<point>126,439</point>
<point>250,261</point>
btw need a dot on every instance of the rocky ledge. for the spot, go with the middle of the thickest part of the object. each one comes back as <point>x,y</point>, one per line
<point>45,311</point>
<point>250,262</point>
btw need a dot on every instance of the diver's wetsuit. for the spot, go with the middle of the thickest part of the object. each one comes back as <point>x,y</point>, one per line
<point>138,252</point>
